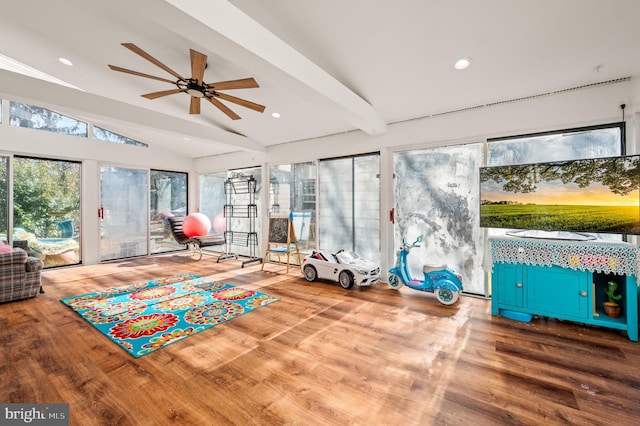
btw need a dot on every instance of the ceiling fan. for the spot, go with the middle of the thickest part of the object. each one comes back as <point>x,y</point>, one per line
<point>195,86</point>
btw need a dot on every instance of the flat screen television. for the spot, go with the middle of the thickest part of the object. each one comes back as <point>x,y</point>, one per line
<point>596,195</point>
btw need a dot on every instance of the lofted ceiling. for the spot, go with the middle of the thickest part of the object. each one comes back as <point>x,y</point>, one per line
<point>326,67</point>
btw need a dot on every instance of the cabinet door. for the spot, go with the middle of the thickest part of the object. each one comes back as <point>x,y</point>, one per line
<point>507,285</point>
<point>555,291</point>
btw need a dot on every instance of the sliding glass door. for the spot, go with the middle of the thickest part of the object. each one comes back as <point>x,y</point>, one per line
<point>168,197</point>
<point>212,200</point>
<point>124,195</point>
<point>4,198</point>
<point>46,209</point>
<point>436,197</point>
<point>292,189</point>
<point>349,205</point>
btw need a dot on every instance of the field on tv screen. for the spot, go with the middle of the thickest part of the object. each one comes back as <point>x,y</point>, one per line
<point>607,219</point>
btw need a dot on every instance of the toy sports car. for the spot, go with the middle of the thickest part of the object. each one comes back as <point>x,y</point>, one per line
<point>345,267</point>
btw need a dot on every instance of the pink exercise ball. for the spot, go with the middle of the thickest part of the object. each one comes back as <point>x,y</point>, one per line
<point>196,225</point>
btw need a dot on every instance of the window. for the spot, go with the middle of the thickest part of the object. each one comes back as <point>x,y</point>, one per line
<point>124,216</point>
<point>168,197</point>
<point>437,196</point>
<point>212,200</point>
<point>572,144</point>
<point>46,209</point>
<point>33,117</point>
<point>349,205</point>
<point>4,198</point>
<point>292,189</point>
<point>104,135</point>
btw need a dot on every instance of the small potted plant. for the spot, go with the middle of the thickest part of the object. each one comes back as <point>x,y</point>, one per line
<point>612,308</point>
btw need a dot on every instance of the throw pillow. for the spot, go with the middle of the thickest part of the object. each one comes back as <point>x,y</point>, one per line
<point>4,248</point>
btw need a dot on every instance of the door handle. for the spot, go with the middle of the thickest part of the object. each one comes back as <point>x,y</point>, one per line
<point>519,285</point>
<point>583,293</point>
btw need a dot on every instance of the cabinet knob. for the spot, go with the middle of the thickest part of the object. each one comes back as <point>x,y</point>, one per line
<point>583,293</point>
<point>519,285</point>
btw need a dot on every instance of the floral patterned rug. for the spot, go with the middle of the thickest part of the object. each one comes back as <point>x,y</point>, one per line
<point>145,316</point>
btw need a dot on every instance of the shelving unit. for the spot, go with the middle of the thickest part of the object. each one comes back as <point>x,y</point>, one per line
<point>240,204</point>
<point>565,280</point>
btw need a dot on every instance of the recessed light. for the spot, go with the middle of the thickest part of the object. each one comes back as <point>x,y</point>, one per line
<point>276,115</point>
<point>66,62</point>
<point>462,63</point>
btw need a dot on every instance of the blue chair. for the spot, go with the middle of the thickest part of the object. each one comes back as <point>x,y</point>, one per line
<point>66,228</point>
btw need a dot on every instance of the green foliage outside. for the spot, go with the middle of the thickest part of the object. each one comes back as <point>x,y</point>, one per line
<point>530,216</point>
<point>4,182</point>
<point>45,192</point>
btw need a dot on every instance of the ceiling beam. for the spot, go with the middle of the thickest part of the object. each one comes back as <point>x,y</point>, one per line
<point>227,20</point>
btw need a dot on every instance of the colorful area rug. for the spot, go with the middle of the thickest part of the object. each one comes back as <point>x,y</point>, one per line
<point>146,316</point>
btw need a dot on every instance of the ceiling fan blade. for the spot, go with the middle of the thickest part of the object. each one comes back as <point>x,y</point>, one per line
<point>156,95</point>
<point>232,115</point>
<point>244,83</point>
<point>194,107</point>
<point>145,55</point>
<point>243,102</point>
<point>139,74</point>
<point>198,65</point>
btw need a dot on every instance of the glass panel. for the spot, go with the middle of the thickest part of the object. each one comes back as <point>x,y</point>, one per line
<point>107,136</point>
<point>292,189</point>
<point>168,198</point>
<point>123,226</point>
<point>335,209</point>
<point>33,117</point>
<point>46,209</point>
<point>366,194</point>
<point>568,145</point>
<point>4,198</point>
<point>436,196</point>
<point>349,205</point>
<point>212,199</point>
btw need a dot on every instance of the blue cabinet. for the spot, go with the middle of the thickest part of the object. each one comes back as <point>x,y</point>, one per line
<point>508,278</point>
<point>555,291</point>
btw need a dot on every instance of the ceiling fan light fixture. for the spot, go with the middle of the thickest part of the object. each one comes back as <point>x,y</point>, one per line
<point>462,63</point>
<point>195,93</point>
<point>195,90</point>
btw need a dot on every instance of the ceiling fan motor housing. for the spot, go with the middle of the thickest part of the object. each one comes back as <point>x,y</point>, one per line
<point>196,90</point>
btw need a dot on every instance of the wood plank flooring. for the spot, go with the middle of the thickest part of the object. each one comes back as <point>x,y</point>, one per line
<point>321,355</point>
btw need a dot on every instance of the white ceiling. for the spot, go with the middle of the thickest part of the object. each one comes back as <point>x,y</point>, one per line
<point>327,67</point>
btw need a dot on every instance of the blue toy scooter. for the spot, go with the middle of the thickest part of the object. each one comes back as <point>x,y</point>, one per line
<point>438,279</point>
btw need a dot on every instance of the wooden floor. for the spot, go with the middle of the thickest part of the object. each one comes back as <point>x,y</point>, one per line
<point>321,355</point>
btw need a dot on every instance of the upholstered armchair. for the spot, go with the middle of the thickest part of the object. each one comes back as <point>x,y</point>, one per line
<point>19,275</point>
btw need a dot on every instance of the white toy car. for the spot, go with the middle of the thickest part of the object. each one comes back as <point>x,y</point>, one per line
<point>345,267</point>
